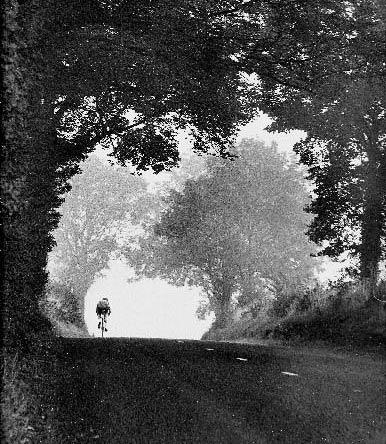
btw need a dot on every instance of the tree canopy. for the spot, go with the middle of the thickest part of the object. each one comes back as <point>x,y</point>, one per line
<point>103,202</point>
<point>344,117</point>
<point>128,75</point>
<point>347,163</point>
<point>234,230</point>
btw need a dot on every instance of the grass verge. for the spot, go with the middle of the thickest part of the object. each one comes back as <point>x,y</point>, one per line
<point>360,326</point>
<point>27,414</point>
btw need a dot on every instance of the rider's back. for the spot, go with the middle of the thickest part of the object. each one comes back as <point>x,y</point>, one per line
<point>103,305</point>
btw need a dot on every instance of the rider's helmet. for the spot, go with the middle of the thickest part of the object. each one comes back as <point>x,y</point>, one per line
<point>105,299</point>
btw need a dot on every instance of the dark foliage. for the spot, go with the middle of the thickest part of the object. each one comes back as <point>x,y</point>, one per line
<point>72,72</point>
<point>129,75</point>
<point>333,328</point>
<point>343,112</point>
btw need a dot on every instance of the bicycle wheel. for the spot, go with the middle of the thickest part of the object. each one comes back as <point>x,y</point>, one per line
<point>102,325</point>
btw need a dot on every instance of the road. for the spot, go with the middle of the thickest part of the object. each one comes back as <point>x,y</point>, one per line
<point>135,391</point>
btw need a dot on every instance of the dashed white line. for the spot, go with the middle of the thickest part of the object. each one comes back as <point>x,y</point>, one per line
<point>289,374</point>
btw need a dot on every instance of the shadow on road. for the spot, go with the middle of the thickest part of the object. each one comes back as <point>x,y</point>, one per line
<point>157,391</point>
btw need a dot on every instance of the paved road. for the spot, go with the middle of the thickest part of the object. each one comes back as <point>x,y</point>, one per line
<point>135,391</point>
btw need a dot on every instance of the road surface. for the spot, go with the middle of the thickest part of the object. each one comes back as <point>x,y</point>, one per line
<point>135,391</point>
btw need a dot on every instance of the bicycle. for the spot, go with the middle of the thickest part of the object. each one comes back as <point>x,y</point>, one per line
<point>102,323</point>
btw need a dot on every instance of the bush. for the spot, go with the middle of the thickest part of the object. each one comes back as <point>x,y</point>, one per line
<point>285,302</point>
<point>346,313</point>
<point>339,297</point>
<point>61,304</point>
<point>341,313</point>
<point>348,296</point>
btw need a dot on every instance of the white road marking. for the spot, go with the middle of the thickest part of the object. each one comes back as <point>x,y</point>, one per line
<point>209,349</point>
<point>242,359</point>
<point>290,374</point>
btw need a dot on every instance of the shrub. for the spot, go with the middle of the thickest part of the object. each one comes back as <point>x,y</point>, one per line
<point>345,312</point>
<point>284,302</point>
<point>348,296</point>
<point>304,302</point>
<point>61,304</point>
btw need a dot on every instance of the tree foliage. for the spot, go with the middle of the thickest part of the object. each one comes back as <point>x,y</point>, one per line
<point>62,304</point>
<point>128,75</point>
<point>348,167</point>
<point>74,74</point>
<point>233,230</point>
<point>343,114</point>
<point>103,201</point>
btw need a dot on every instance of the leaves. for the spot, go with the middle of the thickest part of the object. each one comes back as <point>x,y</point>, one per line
<point>128,75</point>
<point>103,199</point>
<point>343,113</point>
<point>235,228</point>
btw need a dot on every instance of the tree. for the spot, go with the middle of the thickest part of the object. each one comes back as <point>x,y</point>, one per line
<point>33,175</point>
<point>348,167</point>
<point>73,73</point>
<point>103,201</point>
<point>344,117</point>
<point>233,230</point>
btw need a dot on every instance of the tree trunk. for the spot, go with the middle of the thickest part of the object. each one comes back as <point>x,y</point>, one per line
<point>372,218</point>
<point>24,276</point>
<point>27,231</point>
<point>29,173</point>
<point>222,294</point>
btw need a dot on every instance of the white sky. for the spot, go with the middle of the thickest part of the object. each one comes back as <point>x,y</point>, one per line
<point>255,129</point>
<point>152,308</point>
<point>146,308</point>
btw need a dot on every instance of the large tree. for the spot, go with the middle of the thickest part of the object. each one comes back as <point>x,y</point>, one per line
<point>103,201</point>
<point>232,231</point>
<point>346,156</point>
<point>78,74</point>
<point>343,113</point>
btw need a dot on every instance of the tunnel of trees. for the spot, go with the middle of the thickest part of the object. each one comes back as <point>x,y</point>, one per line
<point>128,75</point>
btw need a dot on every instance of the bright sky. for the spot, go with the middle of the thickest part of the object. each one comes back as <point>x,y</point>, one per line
<point>146,308</point>
<point>152,308</point>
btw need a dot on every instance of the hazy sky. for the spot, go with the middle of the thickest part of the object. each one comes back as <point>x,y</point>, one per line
<point>152,308</point>
<point>147,308</point>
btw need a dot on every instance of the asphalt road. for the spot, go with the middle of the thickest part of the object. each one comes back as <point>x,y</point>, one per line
<point>135,391</point>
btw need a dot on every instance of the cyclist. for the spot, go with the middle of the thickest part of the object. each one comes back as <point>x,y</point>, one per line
<point>103,309</point>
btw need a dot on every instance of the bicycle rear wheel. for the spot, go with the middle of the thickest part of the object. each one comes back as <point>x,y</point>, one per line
<point>102,325</point>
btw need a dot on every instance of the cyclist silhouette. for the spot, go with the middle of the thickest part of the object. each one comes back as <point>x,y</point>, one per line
<point>103,310</point>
